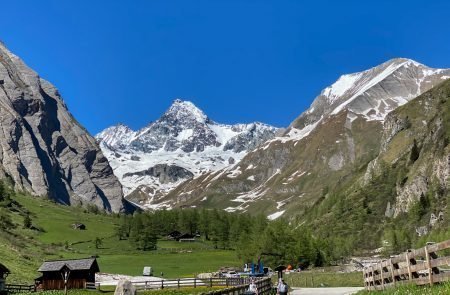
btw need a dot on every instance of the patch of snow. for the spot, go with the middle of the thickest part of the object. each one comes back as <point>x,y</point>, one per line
<point>235,173</point>
<point>341,86</point>
<point>252,178</point>
<point>377,79</point>
<point>185,134</point>
<point>275,215</point>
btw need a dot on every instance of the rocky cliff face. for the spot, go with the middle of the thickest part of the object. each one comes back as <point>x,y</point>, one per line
<point>416,138</point>
<point>181,145</point>
<point>43,149</point>
<point>321,150</point>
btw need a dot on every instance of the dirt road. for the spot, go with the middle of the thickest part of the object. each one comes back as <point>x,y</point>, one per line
<point>325,291</point>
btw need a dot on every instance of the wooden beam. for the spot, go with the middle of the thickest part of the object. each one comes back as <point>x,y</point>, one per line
<point>430,270</point>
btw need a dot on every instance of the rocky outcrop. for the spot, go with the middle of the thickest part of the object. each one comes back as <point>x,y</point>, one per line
<point>43,149</point>
<point>415,142</point>
<point>165,173</point>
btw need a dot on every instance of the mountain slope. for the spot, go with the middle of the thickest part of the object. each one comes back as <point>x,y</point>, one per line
<point>181,145</point>
<point>43,149</point>
<point>403,195</point>
<point>321,150</point>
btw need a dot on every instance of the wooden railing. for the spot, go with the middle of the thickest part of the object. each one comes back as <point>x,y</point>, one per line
<point>264,287</point>
<point>233,286</point>
<point>191,282</point>
<point>421,266</point>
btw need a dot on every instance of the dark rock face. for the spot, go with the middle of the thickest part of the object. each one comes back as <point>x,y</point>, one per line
<point>165,173</point>
<point>43,149</point>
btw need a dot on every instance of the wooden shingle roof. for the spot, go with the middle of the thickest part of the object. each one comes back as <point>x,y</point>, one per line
<point>73,264</point>
<point>3,269</point>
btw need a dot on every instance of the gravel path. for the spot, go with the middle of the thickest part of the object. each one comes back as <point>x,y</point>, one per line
<point>325,291</point>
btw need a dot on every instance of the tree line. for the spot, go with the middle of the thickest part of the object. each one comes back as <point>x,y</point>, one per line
<point>252,237</point>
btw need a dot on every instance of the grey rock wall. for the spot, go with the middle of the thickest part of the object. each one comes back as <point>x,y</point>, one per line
<point>43,149</point>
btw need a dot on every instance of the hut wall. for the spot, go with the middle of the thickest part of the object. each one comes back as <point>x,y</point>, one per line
<point>77,280</point>
<point>59,284</point>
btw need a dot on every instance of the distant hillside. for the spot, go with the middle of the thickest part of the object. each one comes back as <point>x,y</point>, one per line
<point>35,229</point>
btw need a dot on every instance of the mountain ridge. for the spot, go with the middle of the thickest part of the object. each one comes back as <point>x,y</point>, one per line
<point>286,169</point>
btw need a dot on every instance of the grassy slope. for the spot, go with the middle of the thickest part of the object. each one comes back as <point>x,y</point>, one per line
<point>23,250</point>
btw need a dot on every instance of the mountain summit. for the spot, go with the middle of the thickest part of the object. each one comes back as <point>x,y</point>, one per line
<point>182,112</point>
<point>182,144</point>
<point>372,93</point>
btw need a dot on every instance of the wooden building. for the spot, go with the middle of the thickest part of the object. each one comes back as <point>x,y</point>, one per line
<point>173,235</point>
<point>4,272</point>
<point>186,238</point>
<point>79,271</point>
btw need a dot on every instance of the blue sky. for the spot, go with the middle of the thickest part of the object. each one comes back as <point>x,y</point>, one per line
<point>239,61</point>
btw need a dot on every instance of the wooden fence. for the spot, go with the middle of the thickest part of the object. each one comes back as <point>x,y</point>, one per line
<point>421,266</point>
<point>264,287</point>
<point>191,282</point>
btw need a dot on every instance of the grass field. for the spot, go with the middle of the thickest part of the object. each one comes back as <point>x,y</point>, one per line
<point>313,278</point>
<point>24,250</point>
<point>413,290</point>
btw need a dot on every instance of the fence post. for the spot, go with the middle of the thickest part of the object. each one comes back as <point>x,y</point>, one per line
<point>210,282</point>
<point>178,283</point>
<point>408,263</point>
<point>392,271</point>
<point>364,278</point>
<point>430,271</point>
<point>195,282</point>
<point>381,275</point>
<point>162,284</point>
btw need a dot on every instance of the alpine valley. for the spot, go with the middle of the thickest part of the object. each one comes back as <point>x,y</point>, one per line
<point>372,147</point>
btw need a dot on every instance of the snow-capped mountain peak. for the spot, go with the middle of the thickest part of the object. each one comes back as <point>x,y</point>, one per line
<point>184,111</point>
<point>116,136</point>
<point>372,93</point>
<point>183,143</point>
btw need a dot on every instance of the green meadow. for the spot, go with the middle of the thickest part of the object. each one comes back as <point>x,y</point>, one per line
<point>23,250</point>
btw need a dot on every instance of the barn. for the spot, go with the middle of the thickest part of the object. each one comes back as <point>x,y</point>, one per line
<point>4,271</point>
<point>79,271</point>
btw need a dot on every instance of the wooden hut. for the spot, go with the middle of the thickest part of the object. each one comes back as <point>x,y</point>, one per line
<point>4,272</point>
<point>173,235</point>
<point>186,238</point>
<point>79,271</point>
